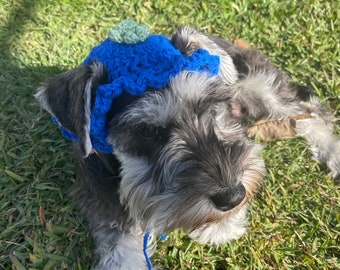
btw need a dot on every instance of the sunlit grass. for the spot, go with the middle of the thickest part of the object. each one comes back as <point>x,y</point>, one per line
<point>293,220</point>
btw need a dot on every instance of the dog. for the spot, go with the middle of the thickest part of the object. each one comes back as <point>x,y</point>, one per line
<point>181,157</point>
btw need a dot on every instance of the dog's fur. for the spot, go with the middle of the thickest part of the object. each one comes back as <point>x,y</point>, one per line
<point>181,155</point>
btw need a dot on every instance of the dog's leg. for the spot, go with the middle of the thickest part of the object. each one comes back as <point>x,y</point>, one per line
<point>264,97</point>
<point>324,145</point>
<point>256,98</point>
<point>118,242</point>
<point>119,250</point>
<point>317,131</point>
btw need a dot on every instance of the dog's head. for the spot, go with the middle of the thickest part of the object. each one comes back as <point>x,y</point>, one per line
<point>184,162</point>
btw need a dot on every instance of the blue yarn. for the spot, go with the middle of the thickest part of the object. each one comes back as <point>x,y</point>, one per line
<point>145,247</point>
<point>132,68</point>
<point>162,236</point>
<point>67,134</point>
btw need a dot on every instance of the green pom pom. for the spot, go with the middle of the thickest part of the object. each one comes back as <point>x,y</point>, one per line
<point>128,32</point>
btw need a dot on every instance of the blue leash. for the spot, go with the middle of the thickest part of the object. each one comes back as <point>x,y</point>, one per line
<point>145,247</point>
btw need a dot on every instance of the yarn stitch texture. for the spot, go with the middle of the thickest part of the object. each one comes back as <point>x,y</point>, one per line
<point>132,68</point>
<point>128,32</point>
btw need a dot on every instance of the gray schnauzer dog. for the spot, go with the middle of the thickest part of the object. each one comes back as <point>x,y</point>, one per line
<point>181,157</point>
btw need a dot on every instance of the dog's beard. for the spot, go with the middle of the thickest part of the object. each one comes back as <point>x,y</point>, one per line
<point>178,197</point>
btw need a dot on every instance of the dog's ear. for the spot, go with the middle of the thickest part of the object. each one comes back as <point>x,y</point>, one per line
<point>69,97</point>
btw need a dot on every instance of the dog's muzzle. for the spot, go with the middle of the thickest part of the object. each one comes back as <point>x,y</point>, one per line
<point>229,198</point>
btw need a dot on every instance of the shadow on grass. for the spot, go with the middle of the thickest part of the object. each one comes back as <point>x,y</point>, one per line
<point>11,71</point>
<point>22,158</point>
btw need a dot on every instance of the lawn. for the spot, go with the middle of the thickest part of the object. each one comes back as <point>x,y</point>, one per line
<point>294,220</point>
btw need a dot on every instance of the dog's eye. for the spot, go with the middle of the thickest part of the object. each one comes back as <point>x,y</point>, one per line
<point>149,132</point>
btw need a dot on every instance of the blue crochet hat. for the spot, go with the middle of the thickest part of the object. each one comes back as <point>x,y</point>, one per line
<point>135,61</point>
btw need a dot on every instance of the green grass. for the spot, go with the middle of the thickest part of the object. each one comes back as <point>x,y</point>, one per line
<point>294,221</point>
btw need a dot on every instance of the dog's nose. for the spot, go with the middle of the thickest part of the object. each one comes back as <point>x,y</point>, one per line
<point>229,198</point>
